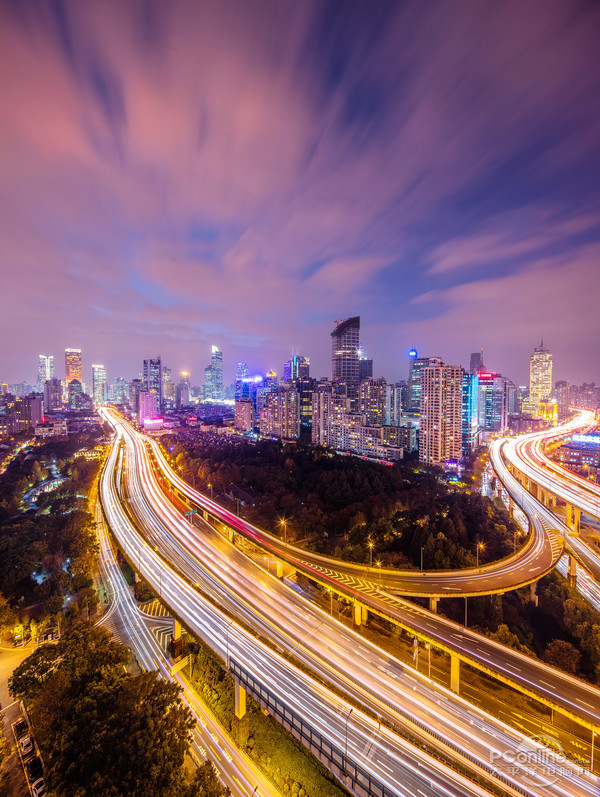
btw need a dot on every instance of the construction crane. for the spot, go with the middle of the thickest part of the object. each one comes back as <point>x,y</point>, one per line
<point>341,318</point>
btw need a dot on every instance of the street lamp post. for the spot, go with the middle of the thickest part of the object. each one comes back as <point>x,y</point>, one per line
<point>378,564</point>
<point>211,492</point>
<point>479,548</point>
<point>428,646</point>
<point>371,551</point>
<point>284,524</point>
<point>422,549</point>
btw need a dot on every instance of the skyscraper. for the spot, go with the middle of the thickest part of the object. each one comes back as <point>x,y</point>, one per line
<point>72,366</point>
<point>345,368</point>
<point>45,370</point>
<point>52,395</point>
<point>540,377</point>
<point>415,367</point>
<point>477,362</point>
<point>470,412</point>
<point>213,376</point>
<point>149,408</point>
<point>375,402</point>
<point>99,387</point>
<point>440,432</point>
<point>563,397</point>
<point>152,378</point>
<point>135,388</point>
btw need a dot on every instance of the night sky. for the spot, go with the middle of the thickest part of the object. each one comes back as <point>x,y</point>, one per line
<point>178,174</point>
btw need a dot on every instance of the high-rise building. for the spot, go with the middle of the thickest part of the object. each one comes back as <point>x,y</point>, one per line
<point>440,431</point>
<point>135,388</point>
<point>73,366</point>
<point>493,402</point>
<point>365,368</point>
<point>75,393</point>
<point>152,379</point>
<point>99,386</point>
<point>477,362</point>
<point>213,376</point>
<point>182,396</point>
<point>52,395</point>
<point>540,378</point>
<point>375,402</point>
<point>562,394</point>
<point>345,368</point>
<point>241,373</point>
<point>29,411</point>
<point>244,415</point>
<point>470,413</point>
<point>415,367</point>
<point>297,367</point>
<point>121,391</point>
<point>45,370</point>
<point>149,407</point>
<point>280,415</point>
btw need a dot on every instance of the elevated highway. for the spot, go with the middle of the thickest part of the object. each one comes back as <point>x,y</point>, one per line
<point>364,674</point>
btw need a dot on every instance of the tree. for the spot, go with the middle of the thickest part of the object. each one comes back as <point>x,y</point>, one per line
<point>206,783</point>
<point>29,677</point>
<point>563,655</point>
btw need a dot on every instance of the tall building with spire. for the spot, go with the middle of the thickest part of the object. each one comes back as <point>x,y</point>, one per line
<point>540,378</point>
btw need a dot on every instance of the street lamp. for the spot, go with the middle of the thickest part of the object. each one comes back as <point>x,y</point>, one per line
<point>283,523</point>
<point>480,547</point>
<point>371,544</point>
<point>422,549</point>
<point>515,535</point>
<point>378,564</point>
<point>211,491</point>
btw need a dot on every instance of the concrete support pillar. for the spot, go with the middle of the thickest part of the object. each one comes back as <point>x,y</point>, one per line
<point>552,501</point>
<point>231,535</point>
<point>433,604</point>
<point>176,630</point>
<point>454,673</point>
<point>511,507</point>
<point>358,610</point>
<point>576,520</point>
<point>533,593</point>
<point>176,643</point>
<point>572,574</point>
<point>279,568</point>
<point>205,514</point>
<point>240,700</point>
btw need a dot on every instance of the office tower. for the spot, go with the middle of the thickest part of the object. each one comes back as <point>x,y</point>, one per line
<point>149,407</point>
<point>135,388</point>
<point>99,392</point>
<point>73,366</point>
<point>45,370</point>
<point>440,432</point>
<point>470,412</point>
<point>152,378</point>
<point>297,367</point>
<point>540,378</point>
<point>75,393</point>
<point>241,373</point>
<point>29,411</point>
<point>375,402</point>
<point>365,368</point>
<point>562,394</point>
<point>415,368</point>
<point>121,391</point>
<point>345,369</point>
<point>52,395</point>
<point>213,376</point>
<point>477,362</point>
<point>493,402</point>
<point>280,415</point>
<point>244,415</point>
<point>182,395</point>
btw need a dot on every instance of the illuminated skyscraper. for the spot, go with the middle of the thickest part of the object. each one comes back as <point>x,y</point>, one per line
<point>45,370</point>
<point>241,373</point>
<point>213,376</point>
<point>72,366</point>
<point>540,378</point>
<point>149,408</point>
<point>415,367</point>
<point>344,352</point>
<point>375,402</point>
<point>52,395</point>
<point>440,432</point>
<point>99,387</point>
<point>152,378</point>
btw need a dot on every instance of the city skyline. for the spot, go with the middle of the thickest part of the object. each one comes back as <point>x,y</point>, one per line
<point>432,172</point>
